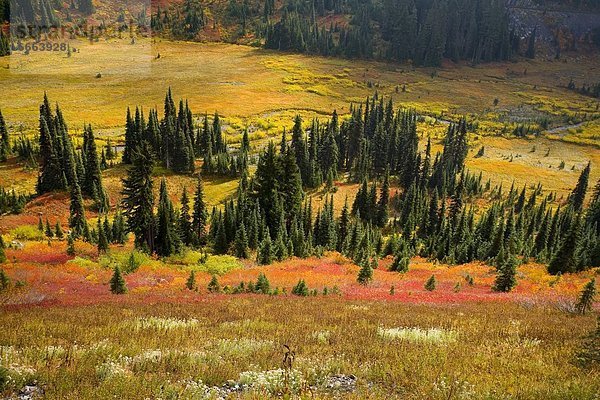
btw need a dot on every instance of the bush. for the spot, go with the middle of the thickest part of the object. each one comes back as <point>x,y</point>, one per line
<point>27,232</point>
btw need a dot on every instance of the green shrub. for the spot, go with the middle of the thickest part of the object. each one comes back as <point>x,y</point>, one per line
<point>27,232</point>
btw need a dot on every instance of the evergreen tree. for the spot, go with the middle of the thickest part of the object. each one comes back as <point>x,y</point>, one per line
<point>190,284</point>
<point>117,283</point>
<point>241,242</point>
<point>2,251</point>
<point>185,224</point>
<point>262,284</point>
<point>431,284</point>
<point>577,197</point>
<point>265,251</point>
<point>102,240</point>
<point>49,232</point>
<point>506,276</point>
<point>92,180</point>
<point>70,245</point>
<point>365,274</point>
<point>586,299</point>
<point>138,199</point>
<point>300,289</point>
<point>382,206</point>
<point>166,233</point>
<point>200,213</point>
<point>77,221</point>
<point>4,140</point>
<point>401,263</point>
<point>564,259</point>
<point>213,285</point>
<point>58,232</point>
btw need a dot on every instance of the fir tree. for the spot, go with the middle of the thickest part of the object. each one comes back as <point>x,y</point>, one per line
<point>265,251</point>
<point>117,283</point>
<point>58,232</point>
<point>4,140</point>
<point>138,199</point>
<point>102,240</point>
<point>241,242</point>
<point>431,284</point>
<point>365,274</point>
<point>506,276</point>
<point>262,284</point>
<point>401,263</point>
<point>166,233</point>
<point>49,232</point>
<point>200,213</point>
<point>213,285</point>
<point>77,221</point>
<point>577,197</point>
<point>586,298</point>
<point>190,284</point>
<point>2,251</point>
<point>70,245</point>
<point>564,259</point>
<point>185,225</point>
<point>301,289</point>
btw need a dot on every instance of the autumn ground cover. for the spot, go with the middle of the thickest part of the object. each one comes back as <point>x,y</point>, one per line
<point>64,329</point>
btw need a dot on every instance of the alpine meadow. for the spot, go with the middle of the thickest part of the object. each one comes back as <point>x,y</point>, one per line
<point>300,199</point>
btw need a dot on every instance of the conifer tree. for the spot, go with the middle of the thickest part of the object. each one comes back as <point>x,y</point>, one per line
<point>200,213</point>
<point>2,251</point>
<point>92,180</point>
<point>401,263</point>
<point>190,284</point>
<point>506,276</point>
<point>241,242</point>
<point>166,233</point>
<point>577,197</point>
<point>102,240</point>
<point>262,284</point>
<point>587,297</point>
<point>70,245</point>
<point>49,232</point>
<point>58,232</point>
<point>564,259</point>
<point>117,282</point>
<point>431,284</point>
<point>382,205</point>
<point>301,289</point>
<point>185,224</point>
<point>365,274</point>
<point>77,221</point>
<point>265,251</point>
<point>213,285</point>
<point>4,141</point>
<point>138,199</point>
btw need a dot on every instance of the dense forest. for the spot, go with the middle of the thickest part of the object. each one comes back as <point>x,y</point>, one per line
<point>409,202</point>
<point>402,30</point>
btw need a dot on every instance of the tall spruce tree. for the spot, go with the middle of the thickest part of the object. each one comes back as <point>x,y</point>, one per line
<point>138,198</point>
